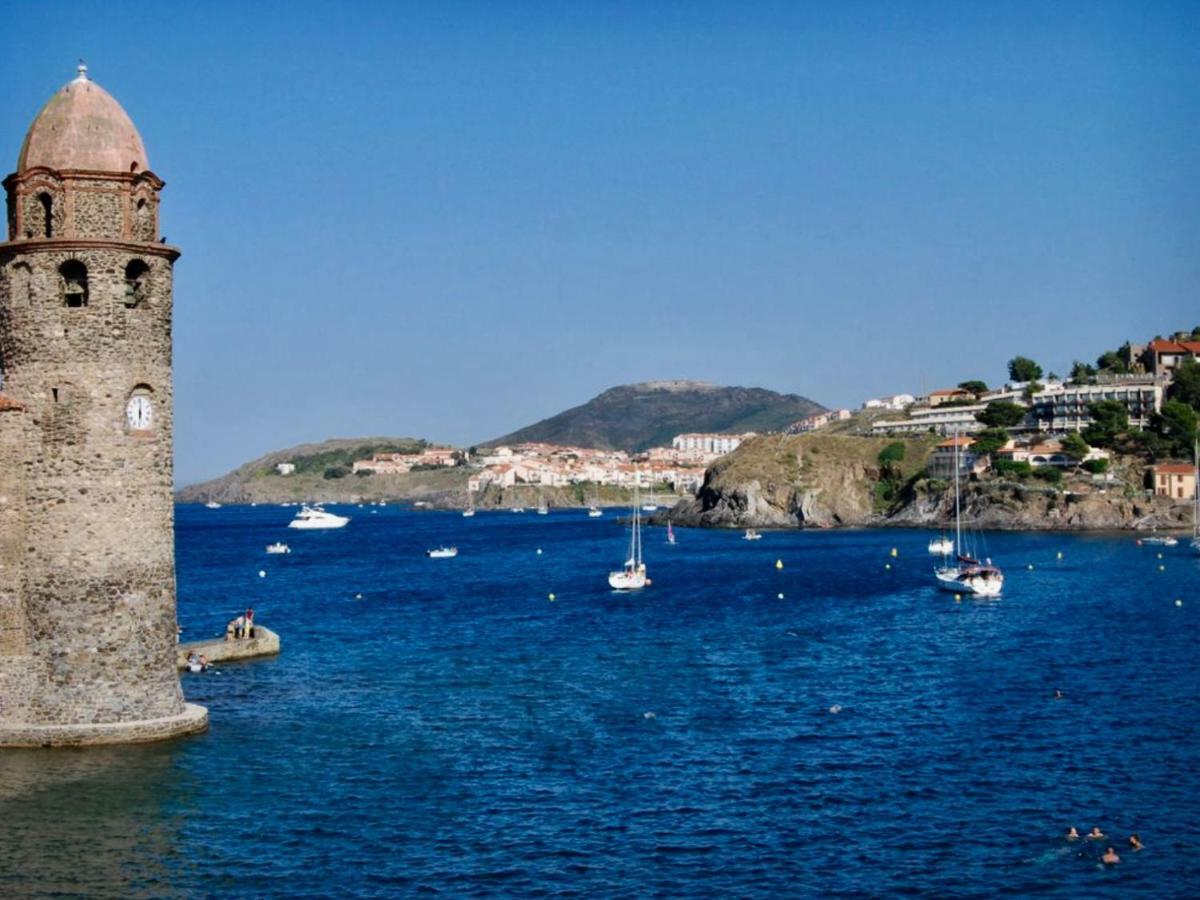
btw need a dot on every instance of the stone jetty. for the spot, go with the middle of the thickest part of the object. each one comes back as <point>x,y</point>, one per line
<point>264,643</point>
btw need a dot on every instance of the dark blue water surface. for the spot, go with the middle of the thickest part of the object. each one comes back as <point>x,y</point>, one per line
<point>455,731</point>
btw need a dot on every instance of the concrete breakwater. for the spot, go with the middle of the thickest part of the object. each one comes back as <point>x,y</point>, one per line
<point>264,643</point>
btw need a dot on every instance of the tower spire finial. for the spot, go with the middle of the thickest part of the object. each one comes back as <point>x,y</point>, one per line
<point>82,70</point>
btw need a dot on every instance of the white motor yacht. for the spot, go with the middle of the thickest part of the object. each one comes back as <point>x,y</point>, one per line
<point>751,535</point>
<point>278,547</point>
<point>313,517</point>
<point>442,553</point>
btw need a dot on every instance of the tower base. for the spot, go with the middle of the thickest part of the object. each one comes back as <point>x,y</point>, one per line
<point>193,720</point>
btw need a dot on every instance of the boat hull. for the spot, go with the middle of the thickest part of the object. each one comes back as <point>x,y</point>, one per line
<point>957,582</point>
<point>626,581</point>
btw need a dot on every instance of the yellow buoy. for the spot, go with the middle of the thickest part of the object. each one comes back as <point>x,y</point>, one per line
<point>894,553</point>
<point>958,598</point>
<point>779,563</point>
<point>552,598</point>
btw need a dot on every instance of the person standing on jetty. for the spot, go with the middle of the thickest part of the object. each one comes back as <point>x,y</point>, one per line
<point>248,626</point>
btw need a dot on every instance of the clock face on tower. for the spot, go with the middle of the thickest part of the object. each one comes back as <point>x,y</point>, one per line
<point>139,413</point>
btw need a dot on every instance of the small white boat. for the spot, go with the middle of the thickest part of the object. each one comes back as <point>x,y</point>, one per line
<point>649,507</point>
<point>517,509</point>
<point>442,553</point>
<point>751,535</point>
<point>278,547</point>
<point>468,513</point>
<point>1159,540</point>
<point>212,504</point>
<point>313,517</point>
<point>595,512</point>
<point>942,546</point>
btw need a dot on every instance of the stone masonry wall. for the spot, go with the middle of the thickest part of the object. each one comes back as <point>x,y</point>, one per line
<point>87,577</point>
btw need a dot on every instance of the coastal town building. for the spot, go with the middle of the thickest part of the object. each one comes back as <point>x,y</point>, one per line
<point>894,402</point>
<point>1174,480</point>
<point>1038,453</point>
<point>819,420</point>
<point>949,395</point>
<point>285,468</point>
<point>399,463</point>
<point>938,419</point>
<point>942,460</point>
<point>87,554</point>
<point>1161,357</point>
<point>716,444</point>
<point>1065,408</point>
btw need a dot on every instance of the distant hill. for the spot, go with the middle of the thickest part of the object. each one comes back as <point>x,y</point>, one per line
<point>257,480</point>
<point>636,416</point>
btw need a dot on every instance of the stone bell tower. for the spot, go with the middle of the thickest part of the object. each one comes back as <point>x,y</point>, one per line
<point>87,549</point>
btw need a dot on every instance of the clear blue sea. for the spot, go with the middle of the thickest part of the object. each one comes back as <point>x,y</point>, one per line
<point>455,732</point>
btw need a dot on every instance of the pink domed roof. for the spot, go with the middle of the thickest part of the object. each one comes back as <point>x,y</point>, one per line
<point>83,127</point>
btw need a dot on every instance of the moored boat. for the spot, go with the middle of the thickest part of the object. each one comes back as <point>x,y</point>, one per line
<point>442,553</point>
<point>632,576</point>
<point>751,535</point>
<point>967,575</point>
<point>311,518</point>
<point>278,547</point>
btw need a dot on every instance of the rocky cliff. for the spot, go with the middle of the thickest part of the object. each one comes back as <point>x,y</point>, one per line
<point>825,481</point>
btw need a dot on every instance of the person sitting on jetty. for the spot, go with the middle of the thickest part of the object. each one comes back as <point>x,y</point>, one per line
<point>1110,857</point>
<point>1095,834</point>
<point>1135,842</point>
<point>1072,833</point>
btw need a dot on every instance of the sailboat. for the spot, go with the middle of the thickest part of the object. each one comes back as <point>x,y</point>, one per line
<point>542,508</point>
<point>1195,544</point>
<point>670,533</point>
<point>967,574</point>
<point>632,576</point>
<point>594,511</point>
<point>469,512</point>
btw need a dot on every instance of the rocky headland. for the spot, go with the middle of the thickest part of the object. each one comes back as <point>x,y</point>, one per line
<point>827,481</point>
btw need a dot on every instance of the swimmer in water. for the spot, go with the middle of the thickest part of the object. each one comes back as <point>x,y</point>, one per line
<point>1110,857</point>
<point>1095,834</point>
<point>1072,833</point>
<point>1058,695</point>
<point>1135,842</point>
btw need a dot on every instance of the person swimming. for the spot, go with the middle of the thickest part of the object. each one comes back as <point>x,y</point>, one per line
<point>1135,842</point>
<point>1095,834</point>
<point>1110,857</point>
<point>1072,833</point>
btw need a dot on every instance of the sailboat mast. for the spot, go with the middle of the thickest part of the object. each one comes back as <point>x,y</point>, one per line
<point>1196,489</point>
<point>957,507</point>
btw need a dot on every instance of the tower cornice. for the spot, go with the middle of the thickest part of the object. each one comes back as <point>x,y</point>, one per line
<point>9,249</point>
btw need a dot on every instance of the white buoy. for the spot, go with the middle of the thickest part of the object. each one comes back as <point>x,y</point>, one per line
<point>1031,567</point>
<point>358,596</point>
<point>551,595</point>
<point>539,551</point>
<point>1179,603</point>
<point>1060,554</point>
<point>835,709</point>
<point>779,596</point>
<point>262,573</point>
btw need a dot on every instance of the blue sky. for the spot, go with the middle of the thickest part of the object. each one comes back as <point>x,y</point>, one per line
<point>451,219</point>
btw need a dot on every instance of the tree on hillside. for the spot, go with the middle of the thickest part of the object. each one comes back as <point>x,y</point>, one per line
<point>1185,387</point>
<point>1002,414</point>
<point>990,440</point>
<point>1113,361</point>
<point>1110,419</point>
<point>1075,447</point>
<point>1021,368</point>
<point>975,387</point>
<point>1176,425</point>
<point>1082,372</point>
